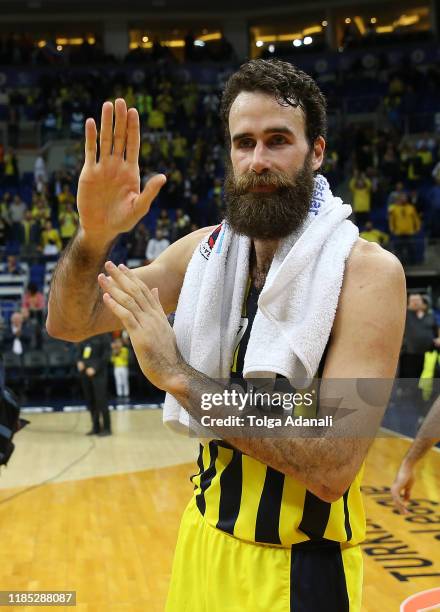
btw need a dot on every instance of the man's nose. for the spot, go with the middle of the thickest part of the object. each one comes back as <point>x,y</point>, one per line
<point>260,162</point>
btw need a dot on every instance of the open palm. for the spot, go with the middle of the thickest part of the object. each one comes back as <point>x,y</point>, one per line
<point>109,196</point>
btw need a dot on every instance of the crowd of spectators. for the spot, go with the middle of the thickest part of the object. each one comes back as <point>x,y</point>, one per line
<point>394,182</point>
<point>182,138</point>
<point>395,188</point>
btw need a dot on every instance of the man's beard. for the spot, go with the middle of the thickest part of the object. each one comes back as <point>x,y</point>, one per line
<point>268,215</point>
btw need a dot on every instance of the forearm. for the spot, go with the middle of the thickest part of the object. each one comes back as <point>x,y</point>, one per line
<point>75,299</point>
<point>427,437</point>
<point>323,463</point>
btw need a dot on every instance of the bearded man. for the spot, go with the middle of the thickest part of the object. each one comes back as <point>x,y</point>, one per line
<point>275,522</point>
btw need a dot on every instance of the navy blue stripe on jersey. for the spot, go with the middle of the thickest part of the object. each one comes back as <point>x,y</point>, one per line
<point>317,579</point>
<point>347,516</point>
<point>268,515</point>
<point>206,478</point>
<point>200,465</point>
<point>251,310</point>
<point>231,481</point>
<point>316,514</point>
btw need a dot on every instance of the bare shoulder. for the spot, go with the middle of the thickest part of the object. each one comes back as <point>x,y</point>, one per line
<point>179,253</point>
<point>370,264</point>
<point>368,327</point>
<point>373,290</point>
<point>167,272</point>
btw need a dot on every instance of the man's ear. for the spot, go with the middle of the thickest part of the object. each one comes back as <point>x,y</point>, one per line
<point>318,153</point>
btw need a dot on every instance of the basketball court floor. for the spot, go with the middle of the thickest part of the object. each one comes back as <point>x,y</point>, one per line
<point>100,516</point>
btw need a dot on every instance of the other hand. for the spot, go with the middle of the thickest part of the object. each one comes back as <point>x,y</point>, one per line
<point>401,487</point>
<point>142,315</point>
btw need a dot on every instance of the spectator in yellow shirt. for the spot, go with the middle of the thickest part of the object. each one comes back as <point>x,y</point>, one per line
<point>120,359</point>
<point>405,223</point>
<point>360,187</point>
<point>65,197</point>
<point>68,223</point>
<point>50,235</point>
<point>179,146</point>
<point>156,119</point>
<point>372,234</point>
<point>40,212</point>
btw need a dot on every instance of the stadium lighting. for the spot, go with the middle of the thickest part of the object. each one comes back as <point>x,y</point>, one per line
<point>271,48</point>
<point>324,24</point>
<point>373,20</point>
<point>297,42</point>
<point>210,36</point>
<point>347,20</point>
<point>308,40</point>
<point>199,43</point>
<point>59,48</point>
<point>145,39</point>
<point>259,43</point>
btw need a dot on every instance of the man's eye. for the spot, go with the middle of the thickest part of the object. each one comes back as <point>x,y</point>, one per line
<point>245,144</point>
<point>277,140</point>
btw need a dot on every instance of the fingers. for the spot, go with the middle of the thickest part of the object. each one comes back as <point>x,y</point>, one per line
<point>400,500</point>
<point>155,293</point>
<point>151,189</point>
<point>106,134</point>
<point>138,287</point>
<point>121,297</point>
<point>126,134</point>
<point>126,317</point>
<point>133,137</point>
<point>120,133</point>
<point>125,287</point>
<point>90,144</point>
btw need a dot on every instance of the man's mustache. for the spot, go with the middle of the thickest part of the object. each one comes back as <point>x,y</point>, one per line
<point>251,180</point>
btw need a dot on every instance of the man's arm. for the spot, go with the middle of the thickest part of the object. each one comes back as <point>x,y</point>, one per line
<point>427,436</point>
<point>365,344</point>
<point>109,203</point>
<point>75,308</point>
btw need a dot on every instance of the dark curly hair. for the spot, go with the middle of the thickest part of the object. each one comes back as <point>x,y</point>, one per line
<point>288,85</point>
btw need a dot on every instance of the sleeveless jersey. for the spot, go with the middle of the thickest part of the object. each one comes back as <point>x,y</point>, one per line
<point>254,502</point>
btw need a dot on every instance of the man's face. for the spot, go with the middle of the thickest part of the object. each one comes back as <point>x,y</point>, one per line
<point>269,182</point>
<point>415,302</point>
<point>17,319</point>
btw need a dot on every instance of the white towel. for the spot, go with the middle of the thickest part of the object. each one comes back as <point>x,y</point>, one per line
<point>296,307</point>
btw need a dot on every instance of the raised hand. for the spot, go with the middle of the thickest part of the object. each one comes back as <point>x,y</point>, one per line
<point>109,198</point>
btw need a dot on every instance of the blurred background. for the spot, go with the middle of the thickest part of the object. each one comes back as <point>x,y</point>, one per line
<point>376,62</point>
